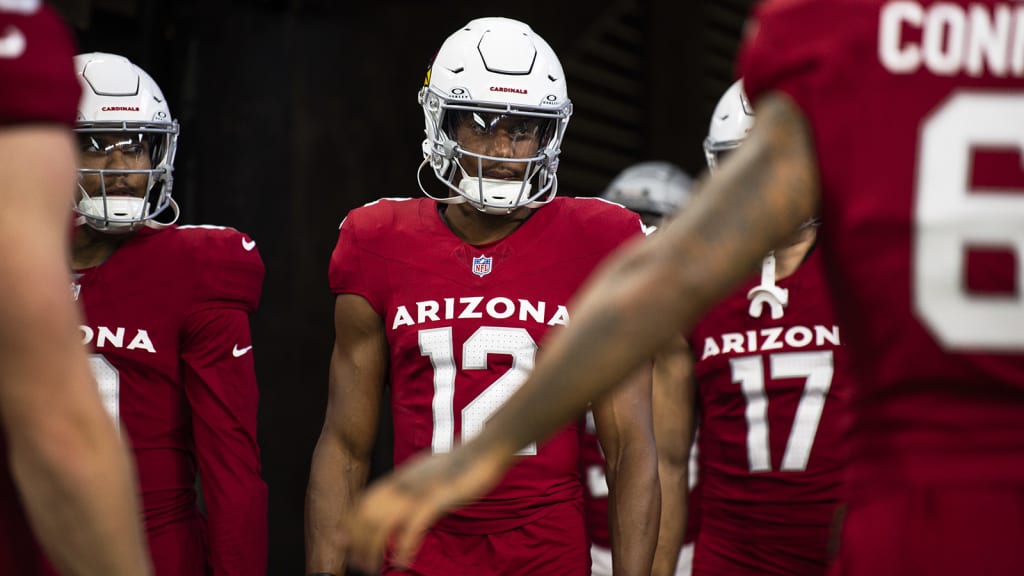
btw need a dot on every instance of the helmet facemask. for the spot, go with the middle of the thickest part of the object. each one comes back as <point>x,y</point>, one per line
<point>109,208</point>
<point>715,152</point>
<point>522,175</point>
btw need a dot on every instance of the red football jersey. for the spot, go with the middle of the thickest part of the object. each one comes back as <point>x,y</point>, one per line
<point>36,68</point>
<point>773,396</point>
<point>924,219</point>
<point>37,84</point>
<point>464,324</point>
<point>167,319</point>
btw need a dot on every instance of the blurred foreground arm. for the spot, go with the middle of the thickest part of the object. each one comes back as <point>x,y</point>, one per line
<point>628,310</point>
<point>73,472</point>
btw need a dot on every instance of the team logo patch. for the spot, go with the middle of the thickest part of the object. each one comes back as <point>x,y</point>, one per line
<point>482,265</point>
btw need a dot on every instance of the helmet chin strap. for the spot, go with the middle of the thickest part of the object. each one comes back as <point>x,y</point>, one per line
<point>151,223</point>
<point>441,199</point>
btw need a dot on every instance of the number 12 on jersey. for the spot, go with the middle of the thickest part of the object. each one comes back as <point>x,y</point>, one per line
<point>437,344</point>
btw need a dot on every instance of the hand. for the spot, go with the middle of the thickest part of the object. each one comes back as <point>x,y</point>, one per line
<point>399,508</point>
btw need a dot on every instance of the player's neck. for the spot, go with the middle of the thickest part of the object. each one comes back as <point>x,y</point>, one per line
<point>789,257</point>
<point>90,248</point>
<point>477,228</point>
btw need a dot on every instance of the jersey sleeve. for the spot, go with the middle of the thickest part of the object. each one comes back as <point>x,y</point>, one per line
<point>220,384</point>
<point>792,46</point>
<point>37,76</point>
<point>354,270</point>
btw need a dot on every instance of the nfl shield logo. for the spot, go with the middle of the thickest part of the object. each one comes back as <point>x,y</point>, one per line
<point>76,288</point>
<point>482,265</point>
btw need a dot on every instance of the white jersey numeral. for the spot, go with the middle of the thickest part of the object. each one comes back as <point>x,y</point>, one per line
<point>438,345</point>
<point>949,218</point>
<point>109,382</point>
<point>748,372</point>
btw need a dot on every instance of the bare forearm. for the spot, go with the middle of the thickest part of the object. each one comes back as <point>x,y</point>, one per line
<point>643,296</point>
<point>73,473</point>
<point>672,531</point>
<point>633,510</point>
<point>335,479</point>
<point>585,361</point>
<point>82,507</point>
<point>661,286</point>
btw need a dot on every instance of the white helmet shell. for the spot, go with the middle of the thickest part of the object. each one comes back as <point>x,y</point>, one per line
<point>494,66</point>
<point>658,188</point>
<point>730,123</point>
<point>118,96</point>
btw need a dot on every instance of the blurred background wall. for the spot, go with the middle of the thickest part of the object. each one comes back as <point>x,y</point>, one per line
<point>293,112</point>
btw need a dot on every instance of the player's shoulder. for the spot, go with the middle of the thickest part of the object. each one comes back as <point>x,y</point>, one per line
<point>592,211</point>
<point>787,43</point>
<point>209,242</point>
<point>36,68</point>
<point>383,212</point>
<point>386,224</point>
<point>223,263</point>
<point>791,24</point>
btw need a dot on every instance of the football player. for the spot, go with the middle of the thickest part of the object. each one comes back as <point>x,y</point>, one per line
<point>447,298</point>
<point>167,320</point>
<point>770,389</point>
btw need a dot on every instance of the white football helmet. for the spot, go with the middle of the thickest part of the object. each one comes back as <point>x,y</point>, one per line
<point>120,97</point>
<point>654,188</point>
<point>731,122</point>
<point>494,68</point>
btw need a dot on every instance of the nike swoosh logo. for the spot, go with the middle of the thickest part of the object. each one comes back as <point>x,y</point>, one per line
<point>248,244</point>
<point>12,43</point>
<point>239,352</point>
